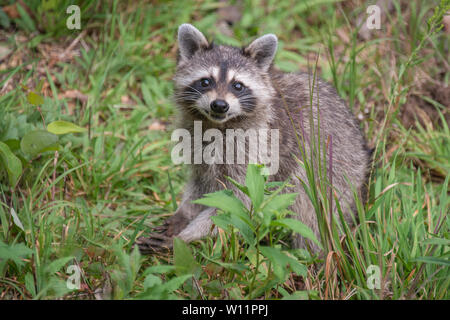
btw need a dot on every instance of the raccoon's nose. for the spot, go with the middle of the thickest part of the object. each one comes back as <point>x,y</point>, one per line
<point>219,106</point>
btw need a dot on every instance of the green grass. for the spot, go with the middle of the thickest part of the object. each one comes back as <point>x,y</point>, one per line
<point>87,203</point>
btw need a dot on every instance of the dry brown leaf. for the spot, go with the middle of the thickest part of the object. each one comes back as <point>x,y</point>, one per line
<point>343,35</point>
<point>125,100</point>
<point>157,126</point>
<point>74,94</point>
<point>11,11</point>
<point>446,22</point>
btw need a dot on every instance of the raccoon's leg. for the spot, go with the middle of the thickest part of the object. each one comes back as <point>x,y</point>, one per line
<point>185,213</point>
<point>161,237</point>
<point>306,214</point>
<point>198,228</point>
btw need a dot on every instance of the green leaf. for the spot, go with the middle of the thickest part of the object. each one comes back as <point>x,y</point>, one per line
<point>16,219</point>
<point>282,262</point>
<point>238,267</point>
<point>11,163</point>
<point>223,200</point>
<point>155,289</point>
<point>29,283</point>
<point>4,22</point>
<point>433,260</point>
<point>184,261</point>
<point>63,127</point>
<point>255,184</point>
<point>437,241</point>
<point>241,223</point>
<point>35,99</point>
<point>280,202</point>
<point>297,295</point>
<point>152,281</point>
<point>56,265</point>
<point>244,189</point>
<point>38,141</point>
<point>276,204</point>
<point>13,144</point>
<point>40,85</point>
<point>25,19</point>
<point>175,283</point>
<point>159,269</point>
<point>15,252</point>
<point>297,226</point>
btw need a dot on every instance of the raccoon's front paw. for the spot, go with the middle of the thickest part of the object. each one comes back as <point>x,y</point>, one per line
<point>161,238</point>
<point>157,242</point>
<point>173,225</point>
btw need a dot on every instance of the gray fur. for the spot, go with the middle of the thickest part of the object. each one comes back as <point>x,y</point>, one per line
<point>263,50</point>
<point>190,40</point>
<point>278,96</point>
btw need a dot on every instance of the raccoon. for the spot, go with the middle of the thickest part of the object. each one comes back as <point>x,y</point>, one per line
<point>226,87</point>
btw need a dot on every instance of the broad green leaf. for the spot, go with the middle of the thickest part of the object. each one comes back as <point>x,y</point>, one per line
<point>224,200</point>
<point>5,23</point>
<point>276,204</point>
<point>29,284</point>
<point>11,163</point>
<point>238,267</point>
<point>175,283</point>
<point>255,184</point>
<point>282,262</point>
<point>222,221</point>
<point>159,269</point>
<point>38,141</point>
<point>297,295</point>
<point>35,99</point>
<point>244,189</point>
<point>280,202</point>
<point>161,291</point>
<point>63,127</point>
<point>57,264</point>
<point>151,281</point>
<point>298,227</point>
<point>13,144</point>
<point>15,252</point>
<point>243,225</point>
<point>184,261</point>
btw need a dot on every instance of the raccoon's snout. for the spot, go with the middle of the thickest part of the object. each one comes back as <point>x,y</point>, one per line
<point>219,106</point>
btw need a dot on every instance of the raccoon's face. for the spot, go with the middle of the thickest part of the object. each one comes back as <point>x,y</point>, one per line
<point>221,83</point>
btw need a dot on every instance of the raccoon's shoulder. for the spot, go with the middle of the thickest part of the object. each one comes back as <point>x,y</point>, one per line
<point>301,84</point>
<point>297,88</point>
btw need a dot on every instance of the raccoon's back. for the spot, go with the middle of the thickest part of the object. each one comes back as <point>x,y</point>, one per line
<point>339,129</point>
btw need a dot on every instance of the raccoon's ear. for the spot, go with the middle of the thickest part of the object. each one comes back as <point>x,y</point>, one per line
<point>190,40</point>
<point>263,50</point>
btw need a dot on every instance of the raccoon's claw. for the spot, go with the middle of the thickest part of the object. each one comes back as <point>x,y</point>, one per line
<point>155,243</point>
<point>162,228</point>
<point>161,238</point>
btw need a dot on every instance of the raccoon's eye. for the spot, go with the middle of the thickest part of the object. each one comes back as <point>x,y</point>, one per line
<point>238,86</point>
<point>205,82</point>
